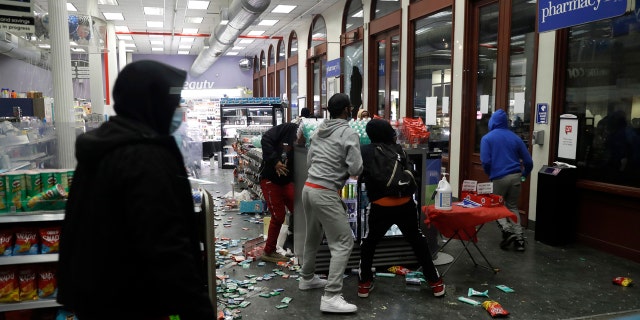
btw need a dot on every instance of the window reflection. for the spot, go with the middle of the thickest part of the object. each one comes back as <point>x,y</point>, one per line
<point>432,75</point>
<point>603,90</point>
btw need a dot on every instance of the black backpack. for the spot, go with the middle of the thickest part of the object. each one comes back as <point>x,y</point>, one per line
<point>391,171</point>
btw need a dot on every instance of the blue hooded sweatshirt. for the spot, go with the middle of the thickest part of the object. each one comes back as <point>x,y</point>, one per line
<point>501,150</point>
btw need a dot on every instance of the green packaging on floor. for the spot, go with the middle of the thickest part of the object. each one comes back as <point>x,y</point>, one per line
<point>385,274</point>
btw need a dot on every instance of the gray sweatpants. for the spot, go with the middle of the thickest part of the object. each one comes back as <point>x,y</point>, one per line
<point>325,211</point>
<point>509,188</point>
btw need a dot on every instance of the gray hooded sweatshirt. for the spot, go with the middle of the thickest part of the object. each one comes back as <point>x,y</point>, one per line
<point>334,154</point>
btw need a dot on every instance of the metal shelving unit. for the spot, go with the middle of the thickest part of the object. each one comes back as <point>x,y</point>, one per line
<point>31,217</point>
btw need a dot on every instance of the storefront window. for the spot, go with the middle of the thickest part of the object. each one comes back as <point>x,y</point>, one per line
<point>603,90</point>
<point>432,75</point>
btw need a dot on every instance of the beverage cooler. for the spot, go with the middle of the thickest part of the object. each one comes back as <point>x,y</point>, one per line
<point>245,113</point>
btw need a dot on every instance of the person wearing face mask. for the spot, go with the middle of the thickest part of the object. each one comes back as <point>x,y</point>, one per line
<point>129,219</point>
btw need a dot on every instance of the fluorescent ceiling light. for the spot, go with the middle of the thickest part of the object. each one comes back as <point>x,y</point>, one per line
<point>187,39</point>
<point>237,48</point>
<point>108,2</point>
<point>268,22</point>
<point>113,15</point>
<point>73,43</point>
<point>246,41</point>
<point>160,42</point>
<point>281,8</point>
<point>155,24</point>
<point>197,5</point>
<point>77,50</point>
<point>129,50</point>
<point>184,46</point>
<point>183,52</point>
<point>157,49</point>
<point>71,7</point>
<point>153,11</point>
<point>224,22</point>
<point>44,46</point>
<point>193,19</point>
<point>122,29</point>
<point>232,53</point>
<point>190,30</point>
<point>156,36</point>
<point>256,33</point>
<point>130,45</point>
<point>124,37</point>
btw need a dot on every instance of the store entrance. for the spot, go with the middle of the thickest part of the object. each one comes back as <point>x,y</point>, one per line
<point>500,61</point>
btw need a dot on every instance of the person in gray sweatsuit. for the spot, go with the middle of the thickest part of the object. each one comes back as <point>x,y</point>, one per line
<point>333,156</point>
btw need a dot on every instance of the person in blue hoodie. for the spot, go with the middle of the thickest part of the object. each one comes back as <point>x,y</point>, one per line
<point>506,160</point>
<point>333,156</point>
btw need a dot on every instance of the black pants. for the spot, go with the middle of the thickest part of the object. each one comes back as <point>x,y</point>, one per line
<point>405,216</point>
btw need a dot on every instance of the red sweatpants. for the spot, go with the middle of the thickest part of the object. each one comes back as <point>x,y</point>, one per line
<point>278,197</point>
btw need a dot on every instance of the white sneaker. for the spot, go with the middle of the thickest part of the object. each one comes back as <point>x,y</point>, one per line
<point>314,283</point>
<point>336,304</point>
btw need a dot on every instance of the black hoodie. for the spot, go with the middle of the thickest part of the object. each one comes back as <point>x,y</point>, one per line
<point>129,243</point>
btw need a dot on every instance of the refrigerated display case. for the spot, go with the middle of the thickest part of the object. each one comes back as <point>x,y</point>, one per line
<point>241,114</point>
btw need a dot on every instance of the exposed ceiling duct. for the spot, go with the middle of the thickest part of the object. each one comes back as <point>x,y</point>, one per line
<point>242,13</point>
<point>19,48</point>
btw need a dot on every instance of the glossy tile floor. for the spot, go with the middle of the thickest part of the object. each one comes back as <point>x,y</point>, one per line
<point>568,282</point>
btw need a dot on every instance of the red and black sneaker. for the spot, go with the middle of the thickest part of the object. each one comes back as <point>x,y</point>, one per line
<point>438,288</point>
<point>364,288</point>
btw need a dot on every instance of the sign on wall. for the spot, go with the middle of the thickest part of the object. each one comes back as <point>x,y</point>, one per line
<point>568,137</point>
<point>557,14</point>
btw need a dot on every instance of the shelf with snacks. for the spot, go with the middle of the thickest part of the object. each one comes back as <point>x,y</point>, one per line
<point>31,217</point>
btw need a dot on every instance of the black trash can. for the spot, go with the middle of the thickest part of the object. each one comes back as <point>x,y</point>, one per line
<point>556,223</point>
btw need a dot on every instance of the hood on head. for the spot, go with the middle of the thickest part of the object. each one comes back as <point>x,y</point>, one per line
<point>149,92</point>
<point>498,120</point>
<point>380,131</point>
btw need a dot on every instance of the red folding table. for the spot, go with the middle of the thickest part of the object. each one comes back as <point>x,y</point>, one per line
<point>464,224</point>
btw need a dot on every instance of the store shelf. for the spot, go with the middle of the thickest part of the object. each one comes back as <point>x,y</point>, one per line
<point>24,305</point>
<point>35,216</point>
<point>33,258</point>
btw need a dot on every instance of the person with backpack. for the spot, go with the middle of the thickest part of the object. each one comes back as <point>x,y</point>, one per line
<point>388,178</point>
<point>333,156</point>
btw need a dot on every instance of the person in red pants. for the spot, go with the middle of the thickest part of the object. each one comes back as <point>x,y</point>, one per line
<point>276,181</point>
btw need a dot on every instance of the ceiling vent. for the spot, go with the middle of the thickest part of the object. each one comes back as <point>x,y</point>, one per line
<point>242,13</point>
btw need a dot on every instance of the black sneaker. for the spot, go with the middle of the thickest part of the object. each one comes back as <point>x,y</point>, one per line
<point>519,244</point>
<point>504,244</point>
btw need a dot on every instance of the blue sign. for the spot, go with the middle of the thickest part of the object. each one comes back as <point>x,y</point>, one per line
<point>542,113</point>
<point>333,68</point>
<point>557,14</point>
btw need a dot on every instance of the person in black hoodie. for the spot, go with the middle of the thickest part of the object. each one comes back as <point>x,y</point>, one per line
<point>129,244</point>
<point>276,182</point>
<point>386,211</point>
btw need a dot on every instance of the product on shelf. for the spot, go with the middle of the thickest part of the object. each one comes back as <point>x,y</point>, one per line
<point>34,190</point>
<point>9,286</point>
<point>27,283</point>
<point>6,242</point>
<point>26,241</point>
<point>49,239</point>
<point>47,284</point>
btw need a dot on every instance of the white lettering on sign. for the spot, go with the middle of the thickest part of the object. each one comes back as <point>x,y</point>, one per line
<point>568,6</point>
<point>205,84</point>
